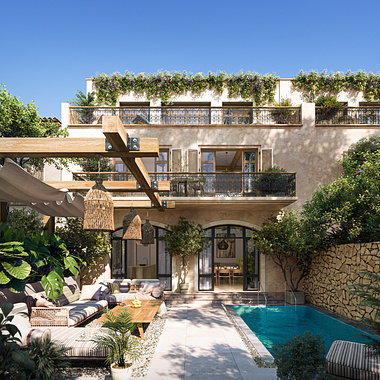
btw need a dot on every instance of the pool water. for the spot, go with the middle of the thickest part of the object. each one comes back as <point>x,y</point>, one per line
<point>276,324</point>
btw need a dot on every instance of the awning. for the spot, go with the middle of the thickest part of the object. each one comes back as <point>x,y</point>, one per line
<point>17,185</point>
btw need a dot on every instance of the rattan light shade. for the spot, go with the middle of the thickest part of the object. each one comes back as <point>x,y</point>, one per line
<point>147,232</point>
<point>132,226</point>
<point>98,209</point>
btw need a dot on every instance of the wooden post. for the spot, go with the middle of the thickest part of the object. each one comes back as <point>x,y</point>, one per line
<point>3,212</point>
<point>49,224</point>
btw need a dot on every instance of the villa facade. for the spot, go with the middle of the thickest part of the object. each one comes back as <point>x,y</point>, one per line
<point>216,152</point>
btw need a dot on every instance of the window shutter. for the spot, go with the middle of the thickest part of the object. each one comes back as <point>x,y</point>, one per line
<point>176,160</point>
<point>192,160</point>
<point>266,158</point>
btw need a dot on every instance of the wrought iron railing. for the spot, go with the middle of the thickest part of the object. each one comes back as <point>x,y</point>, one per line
<point>223,184</point>
<point>189,115</point>
<point>348,115</point>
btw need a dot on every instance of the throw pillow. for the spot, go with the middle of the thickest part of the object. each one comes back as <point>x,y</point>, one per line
<point>114,287</point>
<point>156,292</point>
<point>42,302</point>
<point>90,292</point>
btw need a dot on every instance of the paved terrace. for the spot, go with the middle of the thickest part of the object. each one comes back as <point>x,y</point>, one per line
<point>200,342</point>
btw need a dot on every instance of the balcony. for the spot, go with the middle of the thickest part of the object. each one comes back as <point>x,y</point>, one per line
<point>189,115</point>
<point>358,116</point>
<point>225,184</point>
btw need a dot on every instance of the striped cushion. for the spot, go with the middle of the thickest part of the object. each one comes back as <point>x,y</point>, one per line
<point>78,341</point>
<point>352,361</point>
<point>80,310</point>
<point>70,293</point>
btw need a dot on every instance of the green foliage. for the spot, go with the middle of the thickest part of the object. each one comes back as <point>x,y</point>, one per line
<point>358,153</point>
<point>369,292</point>
<point>116,336</point>
<point>26,259</point>
<point>184,239</point>
<point>328,103</point>
<point>15,363</point>
<point>164,85</point>
<point>271,184</point>
<point>94,164</point>
<point>26,220</point>
<point>350,206</point>
<point>301,358</point>
<point>81,100</point>
<point>90,246</point>
<point>19,120</point>
<point>315,83</point>
<point>48,358</point>
<point>292,243</point>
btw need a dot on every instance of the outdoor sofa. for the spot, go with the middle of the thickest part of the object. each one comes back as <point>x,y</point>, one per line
<point>349,360</point>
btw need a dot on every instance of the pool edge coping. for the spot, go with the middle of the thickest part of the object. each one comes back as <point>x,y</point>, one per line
<point>262,351</point>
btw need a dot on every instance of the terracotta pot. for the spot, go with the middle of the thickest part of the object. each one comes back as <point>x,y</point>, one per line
<point>123,373</point>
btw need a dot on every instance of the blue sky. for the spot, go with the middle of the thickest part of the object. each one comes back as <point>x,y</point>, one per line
<point>49,48</point>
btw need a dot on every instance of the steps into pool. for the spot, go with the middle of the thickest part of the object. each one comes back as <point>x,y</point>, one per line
<point>248,298</point>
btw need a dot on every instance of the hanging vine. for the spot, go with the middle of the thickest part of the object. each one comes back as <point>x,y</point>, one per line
<point>314,83</point>
<point>164,85</point>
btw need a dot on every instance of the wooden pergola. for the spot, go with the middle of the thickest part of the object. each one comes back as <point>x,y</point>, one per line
<point>116,143</point>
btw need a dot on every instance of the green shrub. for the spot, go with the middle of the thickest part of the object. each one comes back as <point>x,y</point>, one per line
<point>301,358</point>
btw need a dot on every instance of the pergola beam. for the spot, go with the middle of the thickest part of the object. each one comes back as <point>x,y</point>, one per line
<point>71,147</point>
<point>114,131</point>
<point>127,186</point>
<point>125,204</point>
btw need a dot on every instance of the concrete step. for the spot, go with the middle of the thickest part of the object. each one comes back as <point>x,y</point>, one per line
<point>249,298</point>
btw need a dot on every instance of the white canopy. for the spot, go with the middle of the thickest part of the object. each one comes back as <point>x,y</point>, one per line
<point>17,185</point>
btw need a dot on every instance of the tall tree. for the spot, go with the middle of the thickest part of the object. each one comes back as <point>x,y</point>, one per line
<point>20,120</point>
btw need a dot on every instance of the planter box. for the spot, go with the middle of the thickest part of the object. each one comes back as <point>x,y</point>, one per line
<point>300,297</point>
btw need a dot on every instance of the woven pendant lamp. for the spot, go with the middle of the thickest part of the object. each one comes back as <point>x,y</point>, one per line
<point>147,232</point>
<point>98,209</point>
<point>131,225</point>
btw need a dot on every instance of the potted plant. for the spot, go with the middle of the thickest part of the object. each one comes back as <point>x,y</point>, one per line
<point>328,107</point>
<point>269,183</point>
<point>292,243</point>
<point>282,115</point>
<point>184,240</point>
<point>123,348</point>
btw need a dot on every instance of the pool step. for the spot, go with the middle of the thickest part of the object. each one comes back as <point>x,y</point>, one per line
<point>249,298</point>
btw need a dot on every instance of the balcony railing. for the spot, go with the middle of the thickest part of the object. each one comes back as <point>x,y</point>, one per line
<point>189,115</point>
<point>348,116</point>
<point>213,184</point>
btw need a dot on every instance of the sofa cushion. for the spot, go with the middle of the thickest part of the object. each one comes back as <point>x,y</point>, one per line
<point>353,361</point>
<point>90,292</point>
<point>70,293</point>
<point>43,302</point>
<point>81,310</point>
<point>120,297</point>
<point>156,292</point>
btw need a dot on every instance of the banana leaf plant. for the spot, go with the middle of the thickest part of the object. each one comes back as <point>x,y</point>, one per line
<point>25,259</point>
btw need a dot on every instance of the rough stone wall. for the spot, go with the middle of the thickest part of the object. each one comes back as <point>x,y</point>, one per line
<point>337,268</point>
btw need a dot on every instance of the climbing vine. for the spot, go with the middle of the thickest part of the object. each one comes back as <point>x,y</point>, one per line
<point>163,85</point>
<point>314,83</point>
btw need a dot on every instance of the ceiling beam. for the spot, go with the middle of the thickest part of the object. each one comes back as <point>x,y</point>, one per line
<point>127,186</point>
<point>235,160</point>
<point>71,147</point>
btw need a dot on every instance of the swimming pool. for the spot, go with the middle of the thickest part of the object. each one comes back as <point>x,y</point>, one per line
<point>276,324</point>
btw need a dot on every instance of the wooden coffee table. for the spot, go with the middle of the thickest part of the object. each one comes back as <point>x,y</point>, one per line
<point>140,315</point>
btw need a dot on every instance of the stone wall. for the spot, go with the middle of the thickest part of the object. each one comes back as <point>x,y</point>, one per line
<point>337,268</point>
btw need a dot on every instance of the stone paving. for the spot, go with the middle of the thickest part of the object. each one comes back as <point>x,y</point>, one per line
<point>200,342</point>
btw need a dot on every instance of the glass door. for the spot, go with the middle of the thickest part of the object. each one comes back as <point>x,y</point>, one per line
<point>249,166</point>
<point>164,261</point>
<point>206,263</point>
<point>118,255</point>
<point>208,166</point>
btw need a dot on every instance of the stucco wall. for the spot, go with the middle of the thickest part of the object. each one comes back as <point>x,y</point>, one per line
<point>337,268</point>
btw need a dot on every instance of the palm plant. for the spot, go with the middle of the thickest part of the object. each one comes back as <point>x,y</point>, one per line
<point>81,100</point>
<point>48,357</point>
<point>117,337</point>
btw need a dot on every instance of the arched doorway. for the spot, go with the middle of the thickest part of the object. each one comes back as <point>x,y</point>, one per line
<point>229,247</point>
<point>127,254</point>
